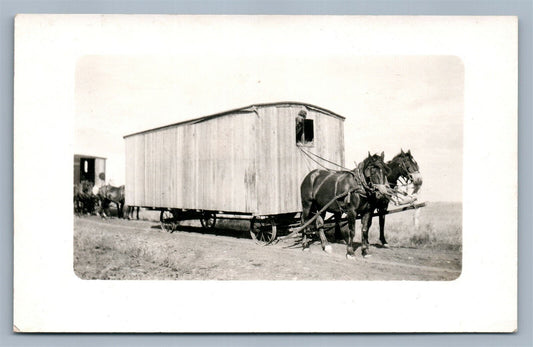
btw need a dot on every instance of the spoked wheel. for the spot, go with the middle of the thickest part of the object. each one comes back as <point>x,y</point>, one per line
<point>263,231</point>
<point>208,220</point>
<point>168,222</point>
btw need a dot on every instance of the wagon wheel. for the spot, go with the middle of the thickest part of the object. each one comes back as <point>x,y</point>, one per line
<point>263,231</point>
<point>168,221</point>
<point>208,220</point>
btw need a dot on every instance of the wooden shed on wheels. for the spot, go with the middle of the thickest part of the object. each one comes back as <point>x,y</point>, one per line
<point>248,162</point>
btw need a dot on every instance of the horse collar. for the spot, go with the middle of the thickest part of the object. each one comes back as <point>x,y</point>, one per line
<point>362,178</point>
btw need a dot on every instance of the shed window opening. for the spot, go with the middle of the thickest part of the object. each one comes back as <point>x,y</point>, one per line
<point>309,133</point>
<point>304,129</point>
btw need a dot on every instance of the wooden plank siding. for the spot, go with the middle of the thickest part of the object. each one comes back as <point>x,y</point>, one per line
<point>245,161</point>
<point>282,165</point>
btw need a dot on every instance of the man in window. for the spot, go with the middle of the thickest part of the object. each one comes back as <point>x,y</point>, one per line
<point>300,120</point>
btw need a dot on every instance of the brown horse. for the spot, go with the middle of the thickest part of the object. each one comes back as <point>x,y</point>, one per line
<point>109,194</point>
<point>405,166</point>
<point>361,187</point>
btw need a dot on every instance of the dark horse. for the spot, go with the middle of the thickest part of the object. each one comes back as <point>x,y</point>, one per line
<point>364,185</point>
<point>403,166</point>
<point>109,194</point>
<point>84,199</point>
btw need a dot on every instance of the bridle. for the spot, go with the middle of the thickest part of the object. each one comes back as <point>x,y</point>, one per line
<point>365,180</point>
<point>408,175</point>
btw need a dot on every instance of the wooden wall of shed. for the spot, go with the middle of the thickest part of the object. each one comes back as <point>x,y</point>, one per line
<point>245,162</point>
<point>99,168</point>
<point>207,165</point>
<point>77,178</point>
<point>282,165</point>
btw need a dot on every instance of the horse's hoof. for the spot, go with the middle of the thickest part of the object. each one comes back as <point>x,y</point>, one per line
<point>328,249</point>
<point>306,249</point>
<point>367,255</point>
<point>349,256</point>
<point>385,245</point>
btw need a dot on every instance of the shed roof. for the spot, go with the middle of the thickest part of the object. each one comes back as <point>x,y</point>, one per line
<point>79,156</point>
<point>246,109</point>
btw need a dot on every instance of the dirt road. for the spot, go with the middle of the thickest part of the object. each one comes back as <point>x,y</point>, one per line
<point>120,249</point>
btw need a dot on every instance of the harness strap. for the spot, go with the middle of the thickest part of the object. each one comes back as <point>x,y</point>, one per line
<point>322,183</point>
<point>336,185</point>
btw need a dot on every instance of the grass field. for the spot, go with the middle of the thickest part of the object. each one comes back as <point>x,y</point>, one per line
<point>440,226</point>
<point>122,249</point>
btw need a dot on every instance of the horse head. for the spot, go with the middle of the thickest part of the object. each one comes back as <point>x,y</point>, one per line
<point>407,168</point>
<point>374,173</point>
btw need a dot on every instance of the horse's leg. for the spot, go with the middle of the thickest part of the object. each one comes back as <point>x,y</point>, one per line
<point>137,212</point>
<point>76,207</point>
<point>365,222</point>
<point>101,211</point>
<point>94,204</point>
<point>350,234</point>
<point>90,205</point>
<point>338,234</point>
<point>382,228</point>
<point>323,240</point>
<point>118,208</point>
<point>306,211</point>
<point>369,223</point>
<point>104,208</point>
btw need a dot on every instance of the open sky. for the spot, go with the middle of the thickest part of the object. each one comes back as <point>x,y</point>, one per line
<point>390,102</point>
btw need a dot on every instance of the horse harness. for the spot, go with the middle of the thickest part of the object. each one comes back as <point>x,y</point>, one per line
<point>358,177</point>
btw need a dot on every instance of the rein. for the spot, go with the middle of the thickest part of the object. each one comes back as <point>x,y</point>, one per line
<point>357,173</point>
<point>309,153</point>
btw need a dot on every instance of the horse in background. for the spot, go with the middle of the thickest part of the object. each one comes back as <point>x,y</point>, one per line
<point>131,211</point>
<point>109,194</point>
<point>361,188</point>
<point>84,199</point>
<point>402,166</point>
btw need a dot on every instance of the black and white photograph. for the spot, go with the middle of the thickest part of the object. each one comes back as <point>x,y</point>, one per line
<point>260,173</point>
<point>239,194</point>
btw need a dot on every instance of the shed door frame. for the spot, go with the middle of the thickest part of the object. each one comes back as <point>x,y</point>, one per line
<point>87,173</point>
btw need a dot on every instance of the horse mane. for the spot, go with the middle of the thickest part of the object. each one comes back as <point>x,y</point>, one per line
<point>365,163</point>
<point>402,154</point>
<point>397,156</point>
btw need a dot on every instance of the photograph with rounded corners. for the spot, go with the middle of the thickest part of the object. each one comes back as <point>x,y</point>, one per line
<point>268,167</point>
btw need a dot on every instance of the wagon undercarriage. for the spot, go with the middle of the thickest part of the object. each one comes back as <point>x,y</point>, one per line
<point>263,229</point>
